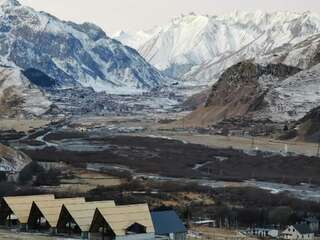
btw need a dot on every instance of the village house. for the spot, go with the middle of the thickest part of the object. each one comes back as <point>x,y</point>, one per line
<point>75,219</point>
<point>129,222</point>
<point>168,225</point>
<point>16,210</point>
<point>44,215</point>
<point>297,231</point>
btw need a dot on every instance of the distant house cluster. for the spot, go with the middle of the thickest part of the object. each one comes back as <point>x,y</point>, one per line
<point>298,231</point>
<point>305,230</point>
<point>102,220</point>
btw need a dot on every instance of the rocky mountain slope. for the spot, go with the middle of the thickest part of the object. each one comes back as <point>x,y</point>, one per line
<point>199,48</point>
<point>307,128</point>
<point>72,54</point>
<point>272,91</point>
<point>19,97</point>
<point>12,160</point>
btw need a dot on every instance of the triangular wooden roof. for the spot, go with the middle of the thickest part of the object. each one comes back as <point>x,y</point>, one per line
<point>51,209</point>
<point>83,213</point>
<point>120,218</point>
<point>21,205</point>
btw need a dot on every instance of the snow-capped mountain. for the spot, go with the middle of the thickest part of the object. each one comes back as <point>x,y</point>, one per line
<point>136,40</point>
<point>198,48</point>
<point>72,54</point>
<point>304,55</point>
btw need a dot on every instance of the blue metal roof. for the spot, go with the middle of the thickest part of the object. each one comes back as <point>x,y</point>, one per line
<point>166,222</point>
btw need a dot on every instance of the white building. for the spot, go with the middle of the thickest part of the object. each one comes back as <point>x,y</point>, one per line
<point>298,231</point>
<point>263,232</point>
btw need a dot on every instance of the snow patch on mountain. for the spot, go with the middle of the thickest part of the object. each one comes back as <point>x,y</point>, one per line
<point>9,3</point>
<point>294,97</point>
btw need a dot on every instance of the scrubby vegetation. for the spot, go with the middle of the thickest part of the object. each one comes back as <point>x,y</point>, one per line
<point>176,159</point>
<point>38,176</point>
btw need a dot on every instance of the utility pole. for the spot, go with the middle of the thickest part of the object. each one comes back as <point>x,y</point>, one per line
<point>252,142</point>
<point>286,148</point>
<point>252,139</point>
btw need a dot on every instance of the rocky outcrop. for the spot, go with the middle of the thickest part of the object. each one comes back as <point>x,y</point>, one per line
<point>196,100</point>
<point>241,91</point>
<point>19,97</point>
<point>308,128</point>
<point>12,160</point>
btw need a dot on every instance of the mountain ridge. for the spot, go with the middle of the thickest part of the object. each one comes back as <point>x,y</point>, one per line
<point>188,45</point>
<point>72,54</point>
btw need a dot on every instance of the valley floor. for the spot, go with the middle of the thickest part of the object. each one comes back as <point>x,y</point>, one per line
<point>147,127</point>
<point>21,124</point>
<point>244,143</point>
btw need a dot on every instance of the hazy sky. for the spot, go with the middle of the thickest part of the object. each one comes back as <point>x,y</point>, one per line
<point>132,15</point>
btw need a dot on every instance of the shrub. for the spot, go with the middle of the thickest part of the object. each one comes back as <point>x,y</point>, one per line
<point>31,170</point>
<point>48,178</point>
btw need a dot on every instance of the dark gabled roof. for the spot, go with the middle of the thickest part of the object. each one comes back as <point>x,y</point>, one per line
<point>166,222</point>
<point>302,228</point>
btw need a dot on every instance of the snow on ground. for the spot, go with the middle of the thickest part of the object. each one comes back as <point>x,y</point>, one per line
<point>295,96</point>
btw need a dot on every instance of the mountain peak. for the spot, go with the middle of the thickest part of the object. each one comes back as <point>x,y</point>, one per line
<point>120,33</point>
<point>13,3</point>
